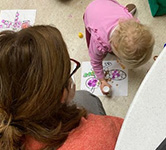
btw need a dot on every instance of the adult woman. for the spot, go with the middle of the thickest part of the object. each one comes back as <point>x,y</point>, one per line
<point>35,93</point>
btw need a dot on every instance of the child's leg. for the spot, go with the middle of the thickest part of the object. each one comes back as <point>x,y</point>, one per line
<point>88,35</point>
<point>89,101</point>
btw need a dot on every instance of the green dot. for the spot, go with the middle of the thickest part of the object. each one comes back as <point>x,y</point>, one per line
<point>85,75</point>
<point>89,73</point>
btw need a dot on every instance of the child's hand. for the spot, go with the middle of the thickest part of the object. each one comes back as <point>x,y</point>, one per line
<point>104,83</point>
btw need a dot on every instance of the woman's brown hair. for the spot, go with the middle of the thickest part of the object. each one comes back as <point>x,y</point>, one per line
<point>34,70</point>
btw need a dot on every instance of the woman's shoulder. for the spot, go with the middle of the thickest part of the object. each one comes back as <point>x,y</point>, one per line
<point>103,117</point>
<point>94,132</point>
<point>108,125</point>
<point>106,121</point>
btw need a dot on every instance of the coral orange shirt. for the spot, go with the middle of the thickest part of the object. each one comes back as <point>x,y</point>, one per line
<point>94,133</point>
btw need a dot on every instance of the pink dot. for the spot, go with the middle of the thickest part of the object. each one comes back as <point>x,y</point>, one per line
<point>17,14</point>
<point>24,25</point>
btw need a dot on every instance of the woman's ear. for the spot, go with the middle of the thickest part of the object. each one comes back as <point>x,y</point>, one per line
<point>69,93</point>
<point>64,96</point>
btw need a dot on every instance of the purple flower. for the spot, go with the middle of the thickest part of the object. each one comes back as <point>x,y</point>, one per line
<point>92,82</point>
<point>115,73</point>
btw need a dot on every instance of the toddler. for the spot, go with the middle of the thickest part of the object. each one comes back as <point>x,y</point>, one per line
<point>111,28</point>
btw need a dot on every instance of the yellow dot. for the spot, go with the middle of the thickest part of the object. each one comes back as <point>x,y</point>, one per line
<point>80,35</point>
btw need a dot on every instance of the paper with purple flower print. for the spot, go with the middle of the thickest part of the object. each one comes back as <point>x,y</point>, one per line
<point>16,19</point>
<point>115,74</point>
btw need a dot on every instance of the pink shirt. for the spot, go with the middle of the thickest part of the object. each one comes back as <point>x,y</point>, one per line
<point>94,133</point>
<point>100,18</point>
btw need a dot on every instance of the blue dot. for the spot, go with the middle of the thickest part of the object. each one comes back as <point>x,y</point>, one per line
<point>165,45</point>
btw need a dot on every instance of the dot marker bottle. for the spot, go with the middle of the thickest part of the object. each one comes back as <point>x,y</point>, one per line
<point>107,90</point>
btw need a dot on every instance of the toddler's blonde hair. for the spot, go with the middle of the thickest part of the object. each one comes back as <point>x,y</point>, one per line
<point>133,43</point>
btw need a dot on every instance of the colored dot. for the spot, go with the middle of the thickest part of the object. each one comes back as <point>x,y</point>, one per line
<point>24,26</point>
<point>89,73</point>
<point>85,74</point>
<point>80,35</point>
<point>165,45</point>
<point>155,57</point>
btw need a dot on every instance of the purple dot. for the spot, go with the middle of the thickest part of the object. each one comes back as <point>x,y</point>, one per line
<point>93,82</point>
<point>89,83</point>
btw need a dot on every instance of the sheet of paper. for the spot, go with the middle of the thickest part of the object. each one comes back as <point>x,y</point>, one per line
<point>16,19</point>
<point>116,75</point>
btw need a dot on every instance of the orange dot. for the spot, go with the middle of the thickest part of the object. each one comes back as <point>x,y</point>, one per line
<point>80,35</point>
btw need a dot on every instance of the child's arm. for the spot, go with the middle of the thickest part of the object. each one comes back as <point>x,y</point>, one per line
<point>96,58</point>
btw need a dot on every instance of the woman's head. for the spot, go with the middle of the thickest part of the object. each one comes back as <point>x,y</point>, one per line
<point>132,42</point>
<point>34,71</point>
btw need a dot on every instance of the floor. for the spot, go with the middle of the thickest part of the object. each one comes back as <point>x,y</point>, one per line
<point>66,15</point>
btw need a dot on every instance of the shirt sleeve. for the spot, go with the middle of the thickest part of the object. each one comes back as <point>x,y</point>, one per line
<point>96,58</point>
